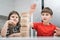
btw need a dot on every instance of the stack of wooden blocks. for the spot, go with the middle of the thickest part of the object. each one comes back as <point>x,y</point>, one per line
<point>25,24</point>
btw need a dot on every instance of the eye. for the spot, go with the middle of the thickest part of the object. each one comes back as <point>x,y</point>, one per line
<point>42,14</point>
<point>47,14</point>
<point>12,16</point>
<point>16,17</point>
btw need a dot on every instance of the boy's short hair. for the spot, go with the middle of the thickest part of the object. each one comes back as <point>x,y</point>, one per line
<point>47,10</point>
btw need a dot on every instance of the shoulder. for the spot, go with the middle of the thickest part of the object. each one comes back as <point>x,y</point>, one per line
<point>53,25</point>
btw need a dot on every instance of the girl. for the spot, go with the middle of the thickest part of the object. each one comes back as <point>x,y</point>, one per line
<point>12,25</point>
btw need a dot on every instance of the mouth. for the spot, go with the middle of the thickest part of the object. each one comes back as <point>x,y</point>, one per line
<point>44,19</point>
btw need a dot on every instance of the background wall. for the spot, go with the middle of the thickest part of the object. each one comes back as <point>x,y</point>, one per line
<point>6,6</point>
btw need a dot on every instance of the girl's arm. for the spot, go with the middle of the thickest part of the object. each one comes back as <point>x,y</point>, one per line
<point>15,35</point>
<point>5,27</point>
<point>4,30</point>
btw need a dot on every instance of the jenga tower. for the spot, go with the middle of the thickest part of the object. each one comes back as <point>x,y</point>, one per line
<point>25,24</point>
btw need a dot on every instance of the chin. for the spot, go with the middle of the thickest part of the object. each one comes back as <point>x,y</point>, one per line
<point>45,21</point>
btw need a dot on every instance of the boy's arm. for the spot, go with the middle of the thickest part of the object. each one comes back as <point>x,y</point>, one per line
<point>31,24</point>
<point>32,8</point>
<point>57,28</point>
<point>31,11</point>
<point>57,31</point>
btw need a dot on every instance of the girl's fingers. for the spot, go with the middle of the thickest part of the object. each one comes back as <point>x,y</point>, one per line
<point>12,22</point>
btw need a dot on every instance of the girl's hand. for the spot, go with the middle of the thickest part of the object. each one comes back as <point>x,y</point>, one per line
<point>11,22</point>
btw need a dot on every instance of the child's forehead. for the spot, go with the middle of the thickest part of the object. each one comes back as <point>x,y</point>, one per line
<point>45,13</point>
<point>14,15</point>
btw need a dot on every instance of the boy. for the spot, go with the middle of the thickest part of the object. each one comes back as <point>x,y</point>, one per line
<point>45,28</point>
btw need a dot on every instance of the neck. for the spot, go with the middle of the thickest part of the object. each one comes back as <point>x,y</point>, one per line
<point>46,23</point>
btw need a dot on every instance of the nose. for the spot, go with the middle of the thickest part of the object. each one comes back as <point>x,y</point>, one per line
<point>14,18</point>
<point>44,16</point>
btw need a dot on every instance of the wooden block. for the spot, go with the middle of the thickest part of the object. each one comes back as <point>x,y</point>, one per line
<point>24,31</point>
<point>25,14</point>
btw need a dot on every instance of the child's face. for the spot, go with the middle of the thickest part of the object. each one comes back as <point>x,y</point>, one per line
<point>46,17</point>
<point>15,18</point>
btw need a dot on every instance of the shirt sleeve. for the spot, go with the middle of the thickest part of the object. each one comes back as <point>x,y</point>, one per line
<point>35,25</point>
<point>55,27</point>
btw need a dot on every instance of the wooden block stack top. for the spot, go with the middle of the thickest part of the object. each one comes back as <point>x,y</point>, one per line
<point>25,24</point>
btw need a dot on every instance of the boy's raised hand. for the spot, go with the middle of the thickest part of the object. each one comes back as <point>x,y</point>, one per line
<point>32,8</point>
